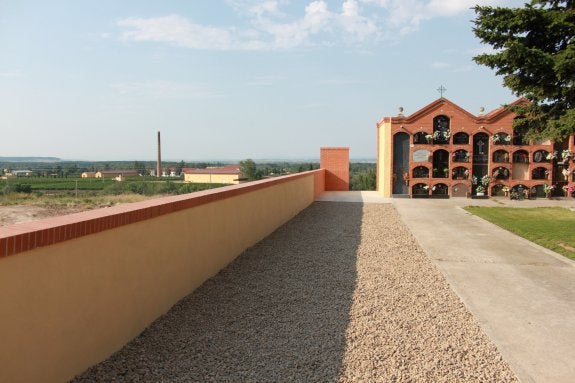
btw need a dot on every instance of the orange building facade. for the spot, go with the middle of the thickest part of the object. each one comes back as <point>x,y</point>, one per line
<point>443,151</point>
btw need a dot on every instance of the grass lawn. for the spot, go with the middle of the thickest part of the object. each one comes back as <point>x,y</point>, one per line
<point>550,227</point>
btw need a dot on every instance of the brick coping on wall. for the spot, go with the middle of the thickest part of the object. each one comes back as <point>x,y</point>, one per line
<point>26,236</point>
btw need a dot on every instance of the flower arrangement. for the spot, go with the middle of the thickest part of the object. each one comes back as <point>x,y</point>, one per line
<point>466,173</point>
<point>485,180</point>
<point>474,180</point>
<point>505,189</point>
<point>498,137</point>
<point>441,135</point>
<point>433,188</point>
<point>428,138</point>
<point>565,154</point>
<point>480,189</point>
<point>552,156</point>
<point>425,187</point>
<point>548,189</point>
<point>565,172</point>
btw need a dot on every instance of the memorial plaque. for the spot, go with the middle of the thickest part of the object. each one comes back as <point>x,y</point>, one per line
<point>421,155</point>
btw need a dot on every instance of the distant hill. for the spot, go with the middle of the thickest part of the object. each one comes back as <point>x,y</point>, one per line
<point>30,159</point>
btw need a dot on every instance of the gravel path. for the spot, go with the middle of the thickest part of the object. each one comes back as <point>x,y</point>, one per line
<point>341,293</point>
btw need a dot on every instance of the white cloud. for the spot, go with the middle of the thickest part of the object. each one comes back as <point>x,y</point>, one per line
<point>258,7</point>
<point>450,7</point>
<point>407,15</point>
<point>270,27</point>
<point>296,33</point>
<point>358,26</point>
<point>177,30</point>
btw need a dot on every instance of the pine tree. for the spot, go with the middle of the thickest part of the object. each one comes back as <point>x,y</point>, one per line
<point>534,51</point>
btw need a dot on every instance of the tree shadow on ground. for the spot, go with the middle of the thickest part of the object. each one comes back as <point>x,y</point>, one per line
<point>279,312</point>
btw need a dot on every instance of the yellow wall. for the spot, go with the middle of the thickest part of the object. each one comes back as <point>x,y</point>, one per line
<point>68,306</point>
<point>384,159</point>
<point>212,178</point>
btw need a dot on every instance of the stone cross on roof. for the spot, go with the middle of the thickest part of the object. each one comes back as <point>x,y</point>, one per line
<point>441,90</point>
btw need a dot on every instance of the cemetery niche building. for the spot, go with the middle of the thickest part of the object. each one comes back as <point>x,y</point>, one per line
<point>443,151</point>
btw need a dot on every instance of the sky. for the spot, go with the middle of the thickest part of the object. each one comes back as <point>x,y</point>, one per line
<point>229,79</point>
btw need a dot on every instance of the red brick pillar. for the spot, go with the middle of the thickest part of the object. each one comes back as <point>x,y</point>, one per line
<point>335,161</point>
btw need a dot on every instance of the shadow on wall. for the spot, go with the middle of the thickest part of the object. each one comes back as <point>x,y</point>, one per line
<point>279,312</point>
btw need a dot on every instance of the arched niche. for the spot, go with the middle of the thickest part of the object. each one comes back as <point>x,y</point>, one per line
<point>500,173</point>
<point>540,156</point>
<point>460,155</point>
<point>440,164</point>
<point>420,190</point>
<point>499,190</point>
<point>422,138</point>
<point>518,136</point>
<point>500,156</point>
<point>400,162</point>
<point>420,172</point>
<point>501,138</point>
<point>519,191</point>
<point>540,173</point>
<point>460,173</point>
<point>439,189</point>
<point>441,130</point>
<point>461,138</point>
<point>538,191</point>
<point>521,157</point>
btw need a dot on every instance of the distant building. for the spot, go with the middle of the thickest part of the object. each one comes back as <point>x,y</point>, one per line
<point>225,175</point>
<point>88,175</point>
<point>21,173</point>
<point>169,172</point>
<point>116,173</point>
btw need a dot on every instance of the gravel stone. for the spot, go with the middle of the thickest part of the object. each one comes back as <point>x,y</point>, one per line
<point>341,293</point>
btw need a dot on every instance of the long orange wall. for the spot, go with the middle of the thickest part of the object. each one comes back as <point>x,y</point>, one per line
<point>75,289</point>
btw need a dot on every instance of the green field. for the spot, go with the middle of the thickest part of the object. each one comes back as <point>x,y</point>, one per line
<point>44,183</point>
<point>27,188</point>
<point>550,227</point>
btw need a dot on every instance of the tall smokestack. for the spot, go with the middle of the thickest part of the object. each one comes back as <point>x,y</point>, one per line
<point>159,164</point>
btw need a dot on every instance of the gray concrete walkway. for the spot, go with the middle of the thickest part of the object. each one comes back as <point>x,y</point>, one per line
<point>522,294</point>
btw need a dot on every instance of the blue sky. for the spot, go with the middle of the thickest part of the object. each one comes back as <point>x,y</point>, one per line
<point>228,79</point>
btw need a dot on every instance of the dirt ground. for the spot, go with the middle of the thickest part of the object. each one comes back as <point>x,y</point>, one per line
<point>22,213</point>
